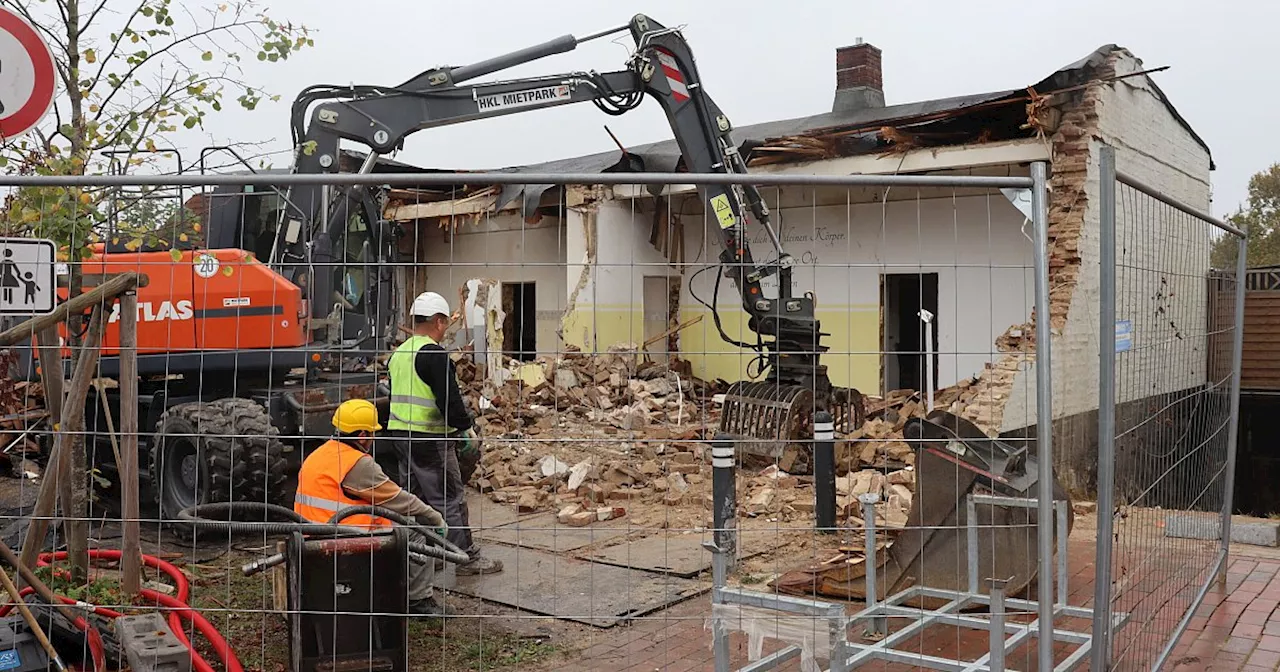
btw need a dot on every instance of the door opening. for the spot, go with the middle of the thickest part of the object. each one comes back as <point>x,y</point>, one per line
<point>904,296</point>
<point>520,329</point>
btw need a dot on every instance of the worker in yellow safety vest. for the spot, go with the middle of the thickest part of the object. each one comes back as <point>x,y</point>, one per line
<point>431,432</point>
<point>341,473</point>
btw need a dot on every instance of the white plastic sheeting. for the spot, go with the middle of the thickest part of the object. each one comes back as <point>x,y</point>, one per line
<point>812,635</point>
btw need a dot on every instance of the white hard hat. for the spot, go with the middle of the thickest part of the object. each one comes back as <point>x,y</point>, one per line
<point>429,304</point>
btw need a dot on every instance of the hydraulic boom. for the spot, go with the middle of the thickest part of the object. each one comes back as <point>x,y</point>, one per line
<point>788,336</point>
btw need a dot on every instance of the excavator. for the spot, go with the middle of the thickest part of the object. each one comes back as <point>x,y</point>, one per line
<point>249,341</point>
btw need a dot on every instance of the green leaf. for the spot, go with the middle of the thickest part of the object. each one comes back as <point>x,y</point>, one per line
<point>207,56</point>
<point>190,122</point>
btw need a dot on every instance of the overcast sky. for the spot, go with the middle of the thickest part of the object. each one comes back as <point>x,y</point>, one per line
<point>763,60</point>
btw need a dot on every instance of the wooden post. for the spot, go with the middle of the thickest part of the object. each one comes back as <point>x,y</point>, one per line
<point>63,444</point>
<point>51,380</point>
<point>131,564</point>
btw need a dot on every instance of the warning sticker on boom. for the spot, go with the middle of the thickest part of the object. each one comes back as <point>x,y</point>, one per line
<point>724,213</point>
<point>501,101</point>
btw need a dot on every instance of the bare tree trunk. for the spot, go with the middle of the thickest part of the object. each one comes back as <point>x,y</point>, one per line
<point>76,508</point>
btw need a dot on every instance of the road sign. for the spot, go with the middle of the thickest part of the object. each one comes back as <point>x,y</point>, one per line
<point>28,277</point>
<point>27,76</point>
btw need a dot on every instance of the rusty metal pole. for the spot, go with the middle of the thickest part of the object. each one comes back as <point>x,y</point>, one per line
<point>131,562</point>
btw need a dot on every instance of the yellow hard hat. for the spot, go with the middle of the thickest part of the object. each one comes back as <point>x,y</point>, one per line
<point>356,415</point>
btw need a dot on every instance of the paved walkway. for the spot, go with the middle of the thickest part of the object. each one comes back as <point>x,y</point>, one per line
<point>1236,629</point>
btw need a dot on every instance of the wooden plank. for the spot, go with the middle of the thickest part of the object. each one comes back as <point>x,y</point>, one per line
<point>104,292</point>
<point>131,546</point>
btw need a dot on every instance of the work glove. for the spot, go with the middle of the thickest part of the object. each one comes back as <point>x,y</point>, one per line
<point>470,444</point>
<point>469,455</point>
<point>432,519</point>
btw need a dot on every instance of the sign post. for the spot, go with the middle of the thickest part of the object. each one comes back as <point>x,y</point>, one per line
<point>28,77</point>
<point>28,276</point>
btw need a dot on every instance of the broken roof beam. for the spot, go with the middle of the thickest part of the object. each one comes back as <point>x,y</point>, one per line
<point>480,202</point>
<point>926,160</point>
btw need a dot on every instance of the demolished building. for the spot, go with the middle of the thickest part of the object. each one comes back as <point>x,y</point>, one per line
<point>594,267</point>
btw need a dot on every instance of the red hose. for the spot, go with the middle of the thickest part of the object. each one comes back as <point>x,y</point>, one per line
<point>97,650</point>
<point>180,611</point>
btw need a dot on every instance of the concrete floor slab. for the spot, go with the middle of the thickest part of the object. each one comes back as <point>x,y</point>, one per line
<point>575,590</point>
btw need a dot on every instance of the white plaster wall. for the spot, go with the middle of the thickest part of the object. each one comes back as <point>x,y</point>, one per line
<point>1154,243</point>
<point>608,307</point>
<point>974,244</point>
<point>501,247</point>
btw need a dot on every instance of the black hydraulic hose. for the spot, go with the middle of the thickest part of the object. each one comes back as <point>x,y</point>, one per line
<point>294,522</point>
<point>403,521</point>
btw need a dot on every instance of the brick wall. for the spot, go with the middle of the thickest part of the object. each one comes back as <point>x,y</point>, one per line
<point>1153,147</point>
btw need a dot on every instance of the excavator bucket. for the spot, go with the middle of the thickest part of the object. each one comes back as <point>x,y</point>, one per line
<point>953,459</point>
<point>766,417</point>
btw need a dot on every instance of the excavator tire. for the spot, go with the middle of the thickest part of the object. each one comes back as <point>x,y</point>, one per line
<point>217,451</point>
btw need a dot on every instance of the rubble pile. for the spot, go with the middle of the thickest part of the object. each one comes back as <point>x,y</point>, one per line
<point>518,475</point>
<point>617,389</point>
<point>879,443</point>
<point>776,494</point>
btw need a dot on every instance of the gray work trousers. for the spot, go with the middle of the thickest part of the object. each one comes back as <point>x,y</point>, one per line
<point>428,467</point>
<point>422,575</point>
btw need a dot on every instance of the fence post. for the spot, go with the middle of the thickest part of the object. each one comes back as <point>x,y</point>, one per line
<point>1044,412</point>
<point>1233,426</point>
<point>1101,656</point>
<point>724,497</point>
<point>824,470</point>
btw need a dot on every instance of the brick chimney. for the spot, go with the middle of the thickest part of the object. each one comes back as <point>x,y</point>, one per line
<point>858,81</point>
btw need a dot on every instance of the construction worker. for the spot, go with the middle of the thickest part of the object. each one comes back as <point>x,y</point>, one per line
<point>429,426</point>
<point>341,473</point>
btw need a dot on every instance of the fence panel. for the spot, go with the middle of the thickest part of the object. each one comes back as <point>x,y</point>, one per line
<point>1170,326</point>
<point>626,480</point>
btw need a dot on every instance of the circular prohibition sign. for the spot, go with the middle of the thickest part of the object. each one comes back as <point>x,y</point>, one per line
<point>27,76</point>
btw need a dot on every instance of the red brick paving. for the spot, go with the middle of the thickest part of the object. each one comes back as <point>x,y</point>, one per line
<point>1235,629</point>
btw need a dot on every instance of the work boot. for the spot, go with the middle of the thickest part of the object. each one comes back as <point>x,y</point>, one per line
<point>429,607</point>
<point>479,565</point>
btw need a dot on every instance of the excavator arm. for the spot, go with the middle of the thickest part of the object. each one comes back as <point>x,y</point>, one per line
<point>662,68</point>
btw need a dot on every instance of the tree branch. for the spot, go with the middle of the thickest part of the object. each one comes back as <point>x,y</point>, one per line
<point>93,15</point>
<point>166,49</point>
<point>115,47</point>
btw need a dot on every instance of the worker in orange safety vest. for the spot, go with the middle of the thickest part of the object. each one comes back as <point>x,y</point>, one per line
<point>341,473</point>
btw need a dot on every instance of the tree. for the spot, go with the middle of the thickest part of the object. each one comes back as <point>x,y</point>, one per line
<point>132,75</point>
<point>1261,220</point>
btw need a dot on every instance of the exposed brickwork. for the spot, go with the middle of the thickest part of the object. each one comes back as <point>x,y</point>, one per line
<point>858,65</point>
<point>1071,158</point>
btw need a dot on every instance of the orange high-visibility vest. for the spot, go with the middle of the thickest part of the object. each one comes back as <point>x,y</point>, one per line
<point>320,493</point>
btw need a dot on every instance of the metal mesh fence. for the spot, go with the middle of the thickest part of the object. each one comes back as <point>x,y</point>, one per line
<point>600,343</point>
<point>1169,401</point>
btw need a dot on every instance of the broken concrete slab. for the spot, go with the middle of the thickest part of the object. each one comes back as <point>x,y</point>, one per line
<point>591,593</point>
<point>669,553</point>
<point>672,554</point>
<point>544,532</point>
